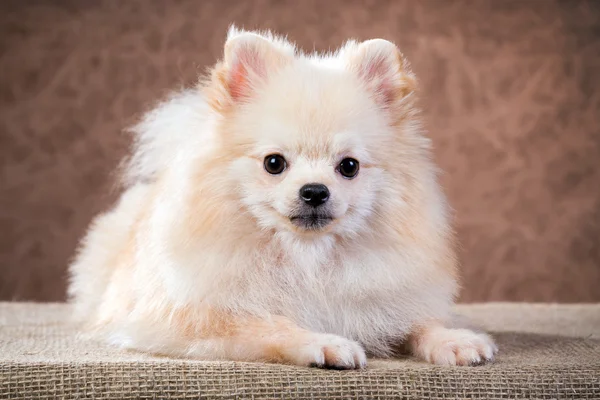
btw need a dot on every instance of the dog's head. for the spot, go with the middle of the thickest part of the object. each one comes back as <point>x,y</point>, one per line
<point>314,140</point>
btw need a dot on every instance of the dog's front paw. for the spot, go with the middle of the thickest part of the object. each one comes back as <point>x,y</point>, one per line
<point>329,351</point>
<point>444,346</point>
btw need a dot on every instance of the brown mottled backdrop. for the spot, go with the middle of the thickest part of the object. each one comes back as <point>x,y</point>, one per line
<point>511,91</point>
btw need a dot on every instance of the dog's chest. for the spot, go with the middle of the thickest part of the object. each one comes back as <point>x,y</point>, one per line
<point>355,299</point>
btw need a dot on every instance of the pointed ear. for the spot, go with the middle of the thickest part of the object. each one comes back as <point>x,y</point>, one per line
<point>249,59</point>
<point>382,68</point>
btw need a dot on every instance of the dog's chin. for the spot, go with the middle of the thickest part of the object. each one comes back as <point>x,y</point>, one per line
<point>311,222</point>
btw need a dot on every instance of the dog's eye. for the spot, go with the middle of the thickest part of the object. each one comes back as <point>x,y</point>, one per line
<point>275,164</point>
<point>348,168</point>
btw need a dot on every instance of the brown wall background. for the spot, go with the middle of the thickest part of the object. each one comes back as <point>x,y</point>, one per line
<point>511,91</point>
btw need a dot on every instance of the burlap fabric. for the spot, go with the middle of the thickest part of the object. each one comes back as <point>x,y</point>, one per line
<point>547,352</point>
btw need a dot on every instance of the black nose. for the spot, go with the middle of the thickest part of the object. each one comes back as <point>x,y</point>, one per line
<point>314,194</point>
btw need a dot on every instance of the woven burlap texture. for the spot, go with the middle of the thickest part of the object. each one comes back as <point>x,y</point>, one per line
<point>546,352</point>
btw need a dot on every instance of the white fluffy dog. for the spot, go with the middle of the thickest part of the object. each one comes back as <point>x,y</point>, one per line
<point>285,210</point>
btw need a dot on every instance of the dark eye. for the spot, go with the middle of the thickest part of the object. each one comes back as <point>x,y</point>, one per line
<point>275,164</point>
<point>348,168</point>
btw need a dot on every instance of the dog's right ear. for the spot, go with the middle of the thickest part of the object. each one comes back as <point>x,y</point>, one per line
<point>249,59</point>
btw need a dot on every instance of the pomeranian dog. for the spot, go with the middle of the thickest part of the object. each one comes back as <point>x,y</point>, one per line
<point>285,210</point>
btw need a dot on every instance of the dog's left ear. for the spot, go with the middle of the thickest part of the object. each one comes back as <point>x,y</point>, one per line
<point>250,58</point>
<point>383,69</point>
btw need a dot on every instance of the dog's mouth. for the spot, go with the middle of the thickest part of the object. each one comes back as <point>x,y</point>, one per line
<point>311,222</point>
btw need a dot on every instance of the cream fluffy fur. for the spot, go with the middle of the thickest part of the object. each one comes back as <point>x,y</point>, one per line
<point>200,259</point>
